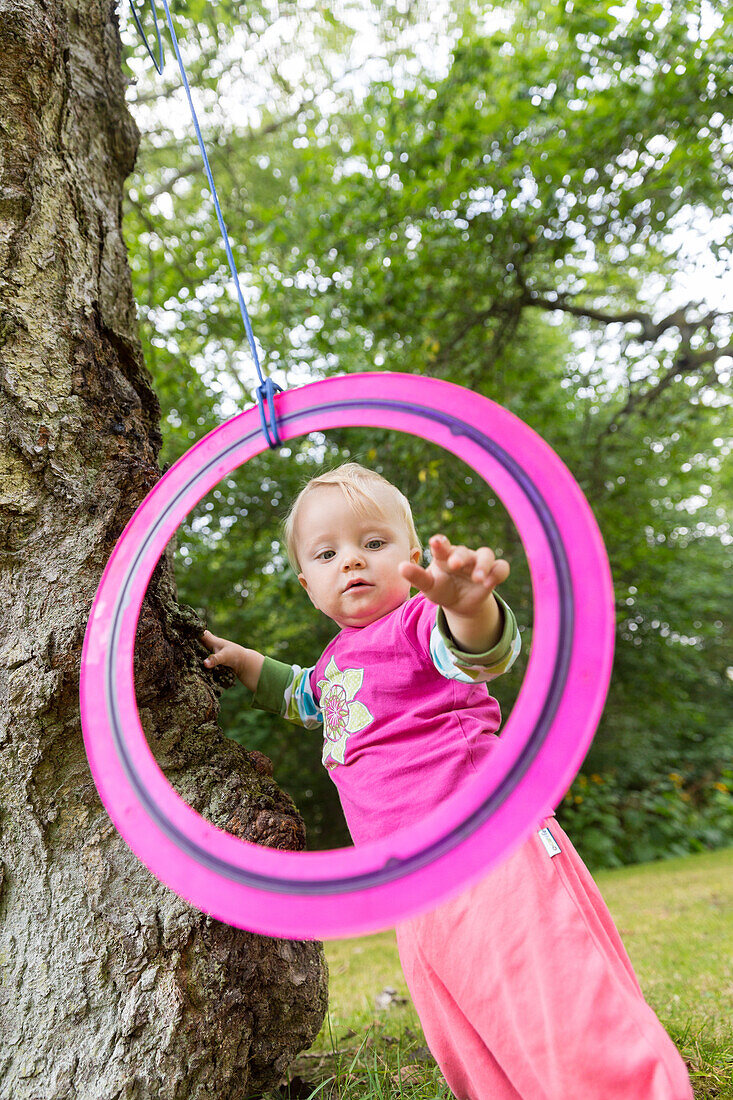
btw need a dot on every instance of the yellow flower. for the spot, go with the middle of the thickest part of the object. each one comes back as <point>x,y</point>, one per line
<point>721,787</point>
<point>578,799</point>
<point>676,779</point>
<point>595,778</point>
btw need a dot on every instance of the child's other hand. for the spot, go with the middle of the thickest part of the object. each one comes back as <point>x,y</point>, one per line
<point>459,579</point>
<point>223,652</point>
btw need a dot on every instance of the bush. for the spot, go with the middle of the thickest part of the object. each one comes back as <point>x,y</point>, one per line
<point>612,826</point>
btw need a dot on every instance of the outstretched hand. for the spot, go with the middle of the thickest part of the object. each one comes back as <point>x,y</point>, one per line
<point>459,579</point>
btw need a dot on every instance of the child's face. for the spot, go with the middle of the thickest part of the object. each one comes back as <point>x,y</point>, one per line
<point>349,560</point>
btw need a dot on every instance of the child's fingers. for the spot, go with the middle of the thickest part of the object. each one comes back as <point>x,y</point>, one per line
<point>448,556</point>
<point>496,574</point>
<point>461,558</point>
<point>222,656</point>
<point>458,559</point>
<point>440,548</point>
<point>500,571</point>
<point>417,576</point>
<point>484,563</point>
<point>481,566</point>
<point>215,645</point>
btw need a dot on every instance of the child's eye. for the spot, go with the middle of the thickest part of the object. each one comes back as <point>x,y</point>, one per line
<point>375,544</point>
<point>326,555</point>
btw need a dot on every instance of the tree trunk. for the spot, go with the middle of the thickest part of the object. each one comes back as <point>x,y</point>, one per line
<point>110,985</point>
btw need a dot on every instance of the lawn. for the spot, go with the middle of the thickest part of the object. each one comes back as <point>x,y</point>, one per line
<point>676,919</point>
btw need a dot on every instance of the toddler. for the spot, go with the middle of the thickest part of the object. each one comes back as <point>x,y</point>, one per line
<point>522,984</point>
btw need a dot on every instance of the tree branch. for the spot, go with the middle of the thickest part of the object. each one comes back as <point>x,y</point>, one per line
<point>215,152</point>
<point>651,330</point>
<point>510,311</point>
<point>145,99</point>
<point>152,228</point>
<point>686,361</point>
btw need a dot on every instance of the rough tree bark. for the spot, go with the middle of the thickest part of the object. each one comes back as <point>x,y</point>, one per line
<point>110,986</point>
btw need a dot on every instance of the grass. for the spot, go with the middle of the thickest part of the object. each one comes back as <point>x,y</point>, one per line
<point>675,920</point>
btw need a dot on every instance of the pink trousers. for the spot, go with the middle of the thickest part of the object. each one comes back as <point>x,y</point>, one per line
<point>525,991</point>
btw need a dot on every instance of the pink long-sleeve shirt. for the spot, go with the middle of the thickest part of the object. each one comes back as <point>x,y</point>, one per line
<point>407,717</point>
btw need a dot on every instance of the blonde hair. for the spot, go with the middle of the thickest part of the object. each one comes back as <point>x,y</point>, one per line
<point>357,484</point>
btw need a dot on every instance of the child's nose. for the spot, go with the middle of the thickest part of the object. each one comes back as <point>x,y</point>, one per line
<point>353,559</point>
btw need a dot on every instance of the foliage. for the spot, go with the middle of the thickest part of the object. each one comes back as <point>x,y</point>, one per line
<point>672,816</point>
<point>509,220</point>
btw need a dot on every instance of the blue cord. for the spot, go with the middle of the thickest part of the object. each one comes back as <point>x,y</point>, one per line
<point>267,388</point>
<point>159,62</point>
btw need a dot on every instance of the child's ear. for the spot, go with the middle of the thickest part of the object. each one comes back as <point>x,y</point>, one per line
<point>304,582</point>
<point>415,555</point>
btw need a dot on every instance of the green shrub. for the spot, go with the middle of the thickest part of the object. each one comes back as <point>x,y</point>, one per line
<point>612,826</point>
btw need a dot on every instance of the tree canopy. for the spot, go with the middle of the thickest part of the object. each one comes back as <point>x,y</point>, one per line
<point>517,200</point>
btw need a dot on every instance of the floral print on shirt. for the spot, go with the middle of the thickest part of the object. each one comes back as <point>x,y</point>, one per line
<point>342,713</point>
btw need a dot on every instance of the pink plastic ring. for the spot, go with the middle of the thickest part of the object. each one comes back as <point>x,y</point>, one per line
<point>348,891</point>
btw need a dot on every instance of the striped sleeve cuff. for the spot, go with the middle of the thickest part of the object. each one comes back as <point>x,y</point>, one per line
<point>456,664</point>
<point>285,690</point>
